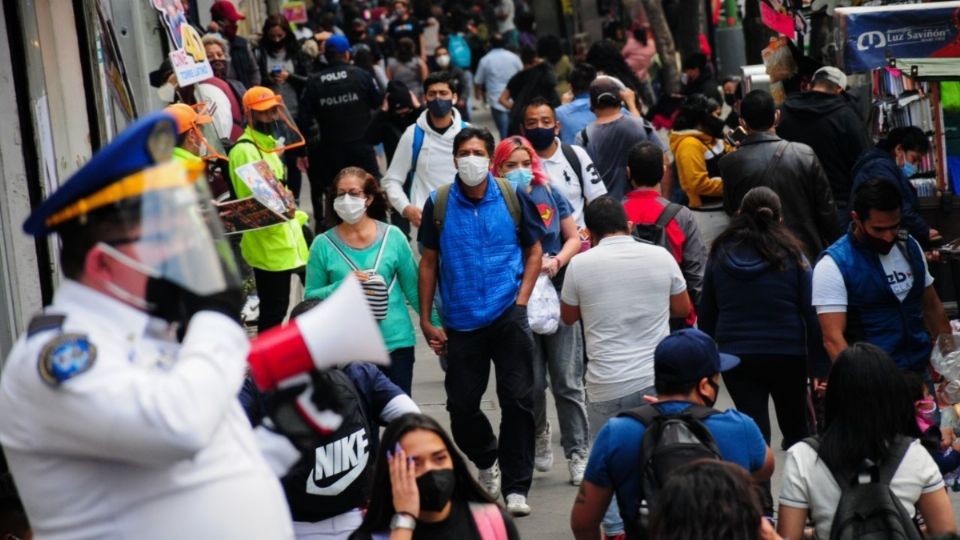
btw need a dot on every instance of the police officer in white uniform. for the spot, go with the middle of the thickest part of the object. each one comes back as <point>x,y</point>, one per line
<point>112,427</point>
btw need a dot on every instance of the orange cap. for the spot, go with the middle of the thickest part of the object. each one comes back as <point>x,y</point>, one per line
<point>186,116</point>
<point>260,98</point>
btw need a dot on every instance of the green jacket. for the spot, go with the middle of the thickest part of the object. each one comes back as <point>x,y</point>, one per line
<point>327,269</point>
<point>185,156</point>
<point>278,247</point>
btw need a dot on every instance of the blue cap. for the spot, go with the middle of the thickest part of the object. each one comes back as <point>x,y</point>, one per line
<point>337,44</point>
<point>145,143</point>
<point>688,355</point>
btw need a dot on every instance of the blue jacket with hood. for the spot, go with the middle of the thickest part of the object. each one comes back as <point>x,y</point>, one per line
<point>751,307</point>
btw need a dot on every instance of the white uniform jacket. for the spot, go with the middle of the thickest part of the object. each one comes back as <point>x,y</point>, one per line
<point>147,441</point>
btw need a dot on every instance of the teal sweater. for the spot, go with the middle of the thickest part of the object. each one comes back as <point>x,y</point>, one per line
<point>326,269</point>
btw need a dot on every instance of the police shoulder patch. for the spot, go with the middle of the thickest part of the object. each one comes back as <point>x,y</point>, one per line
<point>64,357</point>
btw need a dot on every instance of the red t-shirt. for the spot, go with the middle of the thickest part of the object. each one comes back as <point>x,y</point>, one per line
<point>644,206</point>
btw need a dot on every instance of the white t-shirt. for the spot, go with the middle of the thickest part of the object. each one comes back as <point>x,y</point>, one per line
<point>565,179</point>
<point>830,292</point>
<point>623,288</point>
<point>807,483</point>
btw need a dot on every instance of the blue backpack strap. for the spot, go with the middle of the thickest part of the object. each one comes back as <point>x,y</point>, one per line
<point>418,135</point>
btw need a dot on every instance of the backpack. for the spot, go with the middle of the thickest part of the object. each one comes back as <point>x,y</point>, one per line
<point>334,478</point>
<point>459,51</point>
<point>868,509</point>
<point>571,156</point>
<point>375,288</point>
<point>655,233</point>
<point>669,441</point>
<point>418,135</point>
<point>506,189</point>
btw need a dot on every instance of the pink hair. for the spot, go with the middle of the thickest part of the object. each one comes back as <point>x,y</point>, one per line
<point>510,145</point>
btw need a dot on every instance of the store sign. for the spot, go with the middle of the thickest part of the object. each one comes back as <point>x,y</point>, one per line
<point>190,63</point>
<point>871,36</point>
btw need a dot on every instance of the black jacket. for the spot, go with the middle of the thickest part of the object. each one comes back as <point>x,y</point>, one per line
<point>829,125</point>
<point>338,102</point>
<point>808,207</point>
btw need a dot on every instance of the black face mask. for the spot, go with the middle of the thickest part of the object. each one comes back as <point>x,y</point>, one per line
<point>436,488</point>
<point>440,107</point>
<point>540,138</point>
<point>879,245</point>
<point>713,126</point>
<point>274,45</point>
<point>276,129</point>
<point>716,394</point>
<point>730,99</point>
<point>219,68</point>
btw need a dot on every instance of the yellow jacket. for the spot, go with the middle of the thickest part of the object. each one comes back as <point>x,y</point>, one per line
<point>689,149</point>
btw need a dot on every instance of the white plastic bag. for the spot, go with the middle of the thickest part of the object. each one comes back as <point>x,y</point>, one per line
<point>543,310</point>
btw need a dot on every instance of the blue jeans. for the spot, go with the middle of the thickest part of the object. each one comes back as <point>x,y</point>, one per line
<point>502,120</point>
<point>598,413</point>
<point>400,370</point>
<point>561,355</point>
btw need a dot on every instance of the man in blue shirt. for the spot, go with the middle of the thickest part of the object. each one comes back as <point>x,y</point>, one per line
<point>687,368</point>
<point>494,71</point>
<point>576,115</point>
<point>480,240</point>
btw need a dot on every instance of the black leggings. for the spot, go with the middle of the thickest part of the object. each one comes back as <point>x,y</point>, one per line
<point>757,378</point>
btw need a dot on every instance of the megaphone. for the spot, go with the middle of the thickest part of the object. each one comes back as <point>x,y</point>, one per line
<point>341,329</point>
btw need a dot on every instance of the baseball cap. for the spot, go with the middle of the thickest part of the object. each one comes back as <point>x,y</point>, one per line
<point>688,355</point>
<point>338,44</point>
<point>831,74</point>
<point>260,98</point>
<point>187,117</point>
<point>224,10</point>
<point>605,91</point>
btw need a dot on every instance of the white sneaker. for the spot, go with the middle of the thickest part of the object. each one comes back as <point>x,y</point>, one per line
<point>543,456</point>
<point>250,313</point>
<point>577,464</point>
<point>517,505</point>
<point>490,480</point>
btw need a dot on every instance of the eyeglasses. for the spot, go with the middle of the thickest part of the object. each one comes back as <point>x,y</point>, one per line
<point>353,193</point>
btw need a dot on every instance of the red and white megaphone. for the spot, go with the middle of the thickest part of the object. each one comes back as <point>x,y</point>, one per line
<point>341,329</point>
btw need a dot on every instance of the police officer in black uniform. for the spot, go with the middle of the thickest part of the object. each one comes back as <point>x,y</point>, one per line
<point>337,102</point>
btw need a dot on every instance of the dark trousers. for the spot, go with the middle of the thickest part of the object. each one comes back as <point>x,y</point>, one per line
<point>273,288</point>
<point>327,160</point>
<point>757,378</point>
<point>400,370</point>
<point>509,343</point>
<point>294,176</point>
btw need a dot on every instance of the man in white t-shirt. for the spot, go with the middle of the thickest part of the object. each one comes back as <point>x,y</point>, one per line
<point>570,168</point>
<point>873,284</point>
<point>625,292</point>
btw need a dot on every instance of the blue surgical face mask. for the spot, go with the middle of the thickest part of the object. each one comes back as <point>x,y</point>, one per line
<point>519,177</point>
<point>908,169</point>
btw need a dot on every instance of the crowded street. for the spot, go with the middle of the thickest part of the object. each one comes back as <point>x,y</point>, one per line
<point>480,269</point>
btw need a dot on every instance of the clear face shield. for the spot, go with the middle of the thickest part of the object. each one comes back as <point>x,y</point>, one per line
<point>276,122</point>
<point>210,145</point>
<point>176,235</point>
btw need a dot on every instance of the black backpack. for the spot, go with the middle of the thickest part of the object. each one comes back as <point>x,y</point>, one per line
<point>869,510</point>
<point>669,441</point>
<point>655,233</point>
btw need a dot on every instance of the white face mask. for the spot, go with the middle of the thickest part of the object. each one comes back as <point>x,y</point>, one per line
<point>167,93</point>
<point>350,209</point>
<point>443,61</point>
<point>473,170</point>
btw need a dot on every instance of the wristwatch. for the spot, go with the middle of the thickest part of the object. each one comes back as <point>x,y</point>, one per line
<point>403,520</point>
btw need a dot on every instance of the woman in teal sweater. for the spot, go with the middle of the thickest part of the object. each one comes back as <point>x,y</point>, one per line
<point>360,242</point>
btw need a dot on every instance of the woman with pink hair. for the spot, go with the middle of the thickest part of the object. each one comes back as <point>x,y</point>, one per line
<point>559,353</point>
